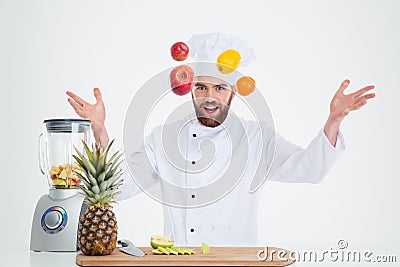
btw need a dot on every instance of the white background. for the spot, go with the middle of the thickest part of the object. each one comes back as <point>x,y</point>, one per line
<point>304,49</point>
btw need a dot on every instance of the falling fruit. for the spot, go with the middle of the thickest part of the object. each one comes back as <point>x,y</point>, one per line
<point>179,51</point>
<point>245,85</point>
<point>181,79</point>
<point>228,61</point>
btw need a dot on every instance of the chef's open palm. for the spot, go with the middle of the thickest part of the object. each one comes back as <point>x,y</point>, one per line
<point>95,112</point>
<point>342,104</point>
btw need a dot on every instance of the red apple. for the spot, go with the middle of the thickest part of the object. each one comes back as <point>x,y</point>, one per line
<point>181,79</point>
<point>179,51</point>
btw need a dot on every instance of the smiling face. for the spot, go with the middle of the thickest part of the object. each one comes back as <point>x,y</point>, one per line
<point>212,99</point>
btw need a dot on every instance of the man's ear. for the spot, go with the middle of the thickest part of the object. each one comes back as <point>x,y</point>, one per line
<point>233,90</point>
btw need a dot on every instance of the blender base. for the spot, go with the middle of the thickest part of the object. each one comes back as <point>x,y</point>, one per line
<point>55,221</point>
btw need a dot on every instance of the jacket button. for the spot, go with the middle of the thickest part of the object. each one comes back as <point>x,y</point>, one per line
<point>194,135</point>
<point>192,230</point>
<point>193,196</point>
<point>193,162</point>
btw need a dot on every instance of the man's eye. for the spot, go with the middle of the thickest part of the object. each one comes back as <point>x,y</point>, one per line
<point>220,88</point>
<point>201,88</point>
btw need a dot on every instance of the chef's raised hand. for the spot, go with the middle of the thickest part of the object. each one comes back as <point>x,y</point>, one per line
<point>95,112</point>
<point>341,105</point>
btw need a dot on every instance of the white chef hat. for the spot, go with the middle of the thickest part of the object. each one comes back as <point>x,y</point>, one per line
<point>205,49</point>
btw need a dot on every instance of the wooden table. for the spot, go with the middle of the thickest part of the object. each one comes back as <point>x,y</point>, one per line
<point>219,256</point>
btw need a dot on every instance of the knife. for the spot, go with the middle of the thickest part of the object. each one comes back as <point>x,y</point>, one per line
<point>129,248</point>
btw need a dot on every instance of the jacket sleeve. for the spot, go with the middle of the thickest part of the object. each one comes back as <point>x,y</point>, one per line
<point>292,164</point>
<point>139,170</point>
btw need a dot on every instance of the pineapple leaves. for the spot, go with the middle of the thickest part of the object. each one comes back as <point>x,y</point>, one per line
<point>96,189</point>
<point>80,157</point>
<point>88,152</point>
<point>97,157</point>
<point>100,176</point>
<point>92,180</point>
<point>78,160</point>
<point>103,186</point>
<point>83,178</point>
<point>89,166</point>
<point>100,164</point>
<point>115,157</point>
<point>108,150</point>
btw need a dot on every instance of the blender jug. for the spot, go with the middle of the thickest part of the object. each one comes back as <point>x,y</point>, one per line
<point>57,144</point>
<point>56,216</point>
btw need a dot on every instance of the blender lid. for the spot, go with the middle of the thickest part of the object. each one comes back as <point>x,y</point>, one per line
<point>67,125</point>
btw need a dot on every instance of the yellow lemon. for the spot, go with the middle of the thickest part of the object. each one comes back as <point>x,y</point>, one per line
<point>228,61</point>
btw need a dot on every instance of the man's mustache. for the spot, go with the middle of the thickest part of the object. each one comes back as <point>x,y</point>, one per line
<point>208,103</point>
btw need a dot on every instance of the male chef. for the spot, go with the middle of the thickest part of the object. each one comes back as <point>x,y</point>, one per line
<point>197,206</point>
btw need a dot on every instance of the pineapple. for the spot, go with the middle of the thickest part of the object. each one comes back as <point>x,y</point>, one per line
<point>97,230</point>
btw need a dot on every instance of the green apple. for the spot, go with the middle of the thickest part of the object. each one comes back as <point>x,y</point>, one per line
<point>176,251</point>
<point>161,241</point>
<point>188,251</point>
<point>157,252</point>
<point>165,251</point>
<point>205,248</point>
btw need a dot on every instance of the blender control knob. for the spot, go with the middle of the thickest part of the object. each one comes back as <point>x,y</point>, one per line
<point>53,219</point>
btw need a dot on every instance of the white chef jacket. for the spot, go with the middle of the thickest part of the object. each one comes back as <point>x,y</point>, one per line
<point>232,219</point>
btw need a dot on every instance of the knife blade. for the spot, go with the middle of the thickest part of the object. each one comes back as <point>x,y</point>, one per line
<point>129,248</point>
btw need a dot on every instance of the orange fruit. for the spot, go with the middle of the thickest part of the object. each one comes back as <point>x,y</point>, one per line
<point>245,85</point>
<point>228,61</point>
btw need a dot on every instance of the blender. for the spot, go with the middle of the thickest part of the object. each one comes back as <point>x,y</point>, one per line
<point>55,221</point>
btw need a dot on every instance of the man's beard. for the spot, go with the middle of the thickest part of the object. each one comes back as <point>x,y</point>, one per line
<point>211,120</point>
